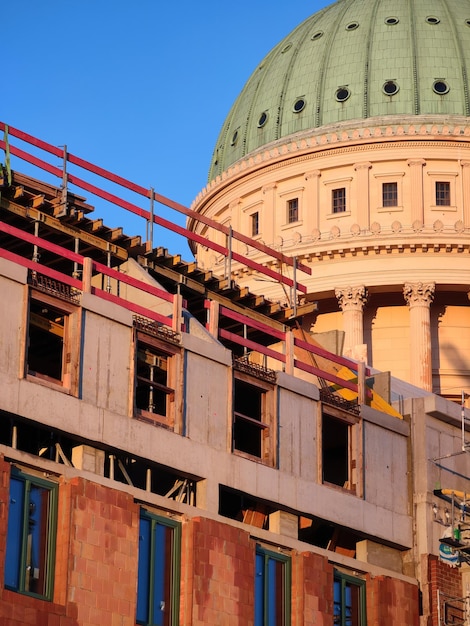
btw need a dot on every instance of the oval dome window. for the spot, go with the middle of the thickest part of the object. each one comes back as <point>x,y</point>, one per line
<point>263,118</point>
<point>352,26</point>
<point>432,19</point>
<point>342,94</point>
<point>440,87</point>
<point>299,105</point>
<point>390,88</point>
<point>391,21</point>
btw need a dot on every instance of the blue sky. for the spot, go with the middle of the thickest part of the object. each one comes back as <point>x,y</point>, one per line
<point>140,88</point>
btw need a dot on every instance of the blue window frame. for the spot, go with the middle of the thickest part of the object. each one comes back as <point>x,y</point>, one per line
<point>349,600</point>
<point>272,588</point>
<point>158,571</point>
<point>30,547</point>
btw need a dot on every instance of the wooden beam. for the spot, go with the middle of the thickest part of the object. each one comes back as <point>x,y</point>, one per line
<point>199,287</point>
<point>52,222</point>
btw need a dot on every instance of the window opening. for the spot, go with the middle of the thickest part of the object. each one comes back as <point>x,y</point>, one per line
<point>335,450</point>
<point>154,382</point>
<point>292,210</point>
<point>389,194</point>
<point>338,200</point>
<point>272,588</point>
<point>349,607</point>
<point>248,424</point>
<point>30,547</point>
<point>158,571</point>
<point>254,224</point>
<point>442,194</point>
<point>50,352</point>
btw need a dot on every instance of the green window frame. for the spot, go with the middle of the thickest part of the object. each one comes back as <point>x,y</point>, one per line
<point>158,584</point>
<point>349,600</point>
<point>31,535</point>
<point>272,588</point>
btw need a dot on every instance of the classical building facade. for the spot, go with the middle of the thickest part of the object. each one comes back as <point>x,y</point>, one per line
<point>349,148</point>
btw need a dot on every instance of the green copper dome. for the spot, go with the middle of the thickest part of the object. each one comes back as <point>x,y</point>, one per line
<point>354,59</point>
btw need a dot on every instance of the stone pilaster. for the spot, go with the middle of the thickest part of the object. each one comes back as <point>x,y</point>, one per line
<point>363,186</point>
<point>311,212</point>
<point>351,301</point>
<point>465,165</point>
<point>417,197</point>
<point>419,297</point>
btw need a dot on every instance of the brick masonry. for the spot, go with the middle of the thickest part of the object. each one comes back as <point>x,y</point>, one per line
<point>97,558</point>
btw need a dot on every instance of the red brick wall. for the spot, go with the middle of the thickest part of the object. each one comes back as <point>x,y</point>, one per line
<point>445,578</point>
<point>218,564</point>
<point>96,560</point>
<point>103,554</point>
<point>312,590</point>
<point>391,601</point>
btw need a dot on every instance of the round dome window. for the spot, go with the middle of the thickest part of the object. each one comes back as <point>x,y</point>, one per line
<point>299,105</point>
<point>263,118</point>
<point>234,138</point>
<point>440,87</point>
<point>390,88</point>
<point>317,35</point>
<point>352,26</point>
<point>391,21</point>
<point>342,94</point>
<point>432,19</point>
<point>286,48</point>
<point>467,22</point>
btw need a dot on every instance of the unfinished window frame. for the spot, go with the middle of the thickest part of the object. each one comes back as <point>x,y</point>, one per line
<point>69,331</point>
<point>172,355</point>
<point>350,479</point>
<point>265,424</point>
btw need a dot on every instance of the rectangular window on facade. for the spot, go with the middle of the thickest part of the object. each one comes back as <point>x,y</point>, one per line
<point>252,418</point>
<point>158,571</point>
<point>338,200</point>
<point>30,544</point>
<point>155,371</point>
<point>349,600</point>
<point>442,194</point>
<point>389,194</point>
<point>254,224</point>
<point>272,588</point>
<point>339,448</point>
<point>292,210</point>
<point>52,345</point>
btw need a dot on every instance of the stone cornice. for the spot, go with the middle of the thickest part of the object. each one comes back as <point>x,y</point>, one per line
<point>350,138</point>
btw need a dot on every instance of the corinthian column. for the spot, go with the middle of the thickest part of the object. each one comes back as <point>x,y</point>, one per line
<point>419,297</point>
<point>351,301</point>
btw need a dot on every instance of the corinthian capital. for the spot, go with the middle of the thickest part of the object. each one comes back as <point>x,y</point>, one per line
<point>351,298</point>
<point>419,294</point>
